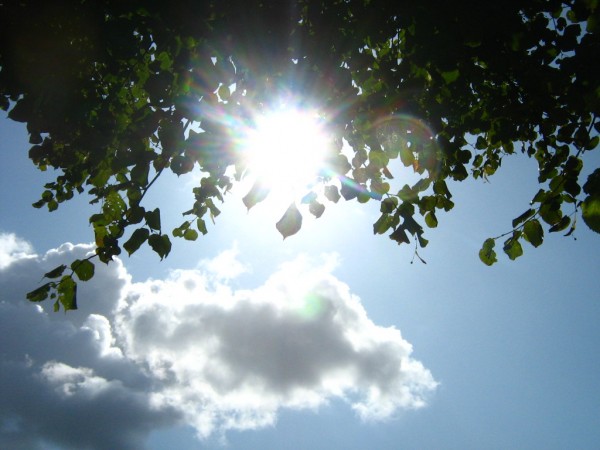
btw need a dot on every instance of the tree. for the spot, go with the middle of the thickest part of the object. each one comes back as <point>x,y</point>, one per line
<point>111,93</point>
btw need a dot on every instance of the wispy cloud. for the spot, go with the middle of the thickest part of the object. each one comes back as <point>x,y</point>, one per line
<point>190,349</point>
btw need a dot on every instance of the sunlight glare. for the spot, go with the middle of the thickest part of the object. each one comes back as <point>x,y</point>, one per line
<point>286,150</point>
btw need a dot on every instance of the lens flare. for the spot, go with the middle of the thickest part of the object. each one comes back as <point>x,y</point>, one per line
<point>286,149</point>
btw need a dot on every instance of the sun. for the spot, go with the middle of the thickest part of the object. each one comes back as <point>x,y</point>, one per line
<point>286,149</point>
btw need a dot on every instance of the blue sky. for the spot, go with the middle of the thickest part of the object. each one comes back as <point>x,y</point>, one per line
<point>454,354</point>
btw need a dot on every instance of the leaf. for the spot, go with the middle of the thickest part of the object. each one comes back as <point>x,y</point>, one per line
<point>399,235</point>
<point>201,225</point>
<point>190,234</point>
<point>153,219</point>
<point>512,247</point>
<point>592,184</point>
<point>67,293</point>
<point>388,205</point>
<point>332,194</point>
<point>487,254</point>
<point>316,209</point>
<point>161,244</point>
<point>561,225</point>
<point>383,224</point>
<point>348,190</point>
<point>431,219</point>
<point>590,211</point>
<point>40,294</point>
<point>56,272</point>
<point>291,222</point>
<point>534,233</point>
<point>523,217</point>
<point>137,238</point>
<point>113,207</point>
<point>450,77</point>
<point>257,193</point>
<point>83,268</point>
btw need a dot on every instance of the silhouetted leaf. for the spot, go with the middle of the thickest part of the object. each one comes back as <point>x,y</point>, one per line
<point>153,219</point>
<point>257,193</point>
<point>523,217</point>
<point>40,294</point>
<point>291,222</point>
<point>332,194</point>
<point>56,272</point>
<point>316,209</point>
<point>160,243</point>
<point>138,237</point>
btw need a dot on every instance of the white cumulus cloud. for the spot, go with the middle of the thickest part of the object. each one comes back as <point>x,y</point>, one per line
<point>191,349</point>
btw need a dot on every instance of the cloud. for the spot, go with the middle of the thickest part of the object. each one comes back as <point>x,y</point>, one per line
<point>190,349</point>
<point>12,248</point>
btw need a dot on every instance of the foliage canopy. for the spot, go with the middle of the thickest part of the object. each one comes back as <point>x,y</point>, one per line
<point>115,93</point>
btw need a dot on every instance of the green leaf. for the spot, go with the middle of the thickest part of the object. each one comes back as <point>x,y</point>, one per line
<point>399,235</point>
<point>161,244</point>
<point>138,237</point>
<point>201,225</point>
<point>533,232</point>
<point>190,234</point>
<point>383,224</point>
<point>388,205</point>
<point>83,268</point>
<point>56,272</point>
<point>153,219</point>
<point>512,247</point>
<point>114,206</point>
<point>40,294</point>
<point>67,293</point>
<point>291,222</point>
<point>431,219</point>
<point>561,225</point>
<point>487,254</point>
<point>450,77</point>
<point>523,217</point>
<point>590,211</point>
<point>135,214</point>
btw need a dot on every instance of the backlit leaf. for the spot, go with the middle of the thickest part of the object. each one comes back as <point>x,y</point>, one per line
<point>83,268</point>
<point>137,238</point>
<point>291,222</point>
<point>487,254</point>
<point>533,232</point>
<point>56,272</point>
<point>41,293</point>
<point>590,211</point>
<point>67,293</point>
<point>332,194</point>
<point>160,243</point>
<point>257,193</point>
<point>316,209</point>
<point>153,219</point>
<point>512,247</point>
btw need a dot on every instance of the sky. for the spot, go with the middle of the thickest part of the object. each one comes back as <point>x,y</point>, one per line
<point>330,338</point>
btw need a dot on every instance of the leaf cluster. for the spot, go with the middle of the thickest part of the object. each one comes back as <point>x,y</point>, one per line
<point>115,93</point>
